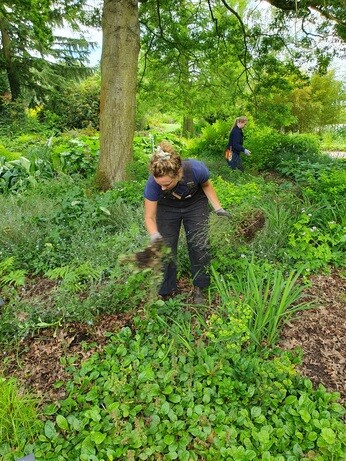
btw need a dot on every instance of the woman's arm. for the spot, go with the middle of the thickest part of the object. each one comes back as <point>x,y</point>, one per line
<point>211,195</point>
<point>150,208</point>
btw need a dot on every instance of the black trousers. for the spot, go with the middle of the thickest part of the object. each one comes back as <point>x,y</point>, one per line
<point>236,162</point>
<point>195,219</point>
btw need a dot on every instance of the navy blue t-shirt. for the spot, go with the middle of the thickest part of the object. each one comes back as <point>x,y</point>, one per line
<point>200,175</point>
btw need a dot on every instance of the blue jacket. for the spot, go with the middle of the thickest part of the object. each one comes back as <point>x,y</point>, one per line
<point>236,138</point>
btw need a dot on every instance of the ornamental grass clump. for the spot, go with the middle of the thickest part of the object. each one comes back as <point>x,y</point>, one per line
<point>272,296</point>
<point>19,422</point>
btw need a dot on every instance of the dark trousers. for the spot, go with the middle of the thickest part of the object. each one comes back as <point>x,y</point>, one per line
<point>236,163</point>
<point>195,218</point>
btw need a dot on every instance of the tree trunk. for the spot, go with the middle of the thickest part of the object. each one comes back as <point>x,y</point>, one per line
<point>12,76</point>
<point>119,61</point>
<point>188,127</point>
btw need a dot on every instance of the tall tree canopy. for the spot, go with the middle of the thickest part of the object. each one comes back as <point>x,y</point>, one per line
<point>31,55</point>
<point>201,49</point>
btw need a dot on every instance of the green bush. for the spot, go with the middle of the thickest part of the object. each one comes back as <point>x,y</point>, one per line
<point>295,148</point>
<point>262,142</point>
<point>268,147</point>
<point>324,178</point>
<point>75,106</point>
<point>8,155</point>
<point>334,139</point>
<point>74,153</point>
<point>317,247</point>
<point>212,141</point>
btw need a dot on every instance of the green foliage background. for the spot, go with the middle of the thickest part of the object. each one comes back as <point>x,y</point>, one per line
<point>180,383</point>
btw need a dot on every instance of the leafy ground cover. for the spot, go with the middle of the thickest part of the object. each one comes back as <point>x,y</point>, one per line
<point>319,332</point>
<point>50,359</point>
<point>74,312</point>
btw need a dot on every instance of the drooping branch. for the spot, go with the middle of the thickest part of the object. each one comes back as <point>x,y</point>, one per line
<point>245,57</point>
<point>333,10</point>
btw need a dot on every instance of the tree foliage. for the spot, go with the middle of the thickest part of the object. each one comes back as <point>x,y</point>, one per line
<point>317,103</point>
<point>32,57</point>
<point>333,11</point>
<point>185,58</point>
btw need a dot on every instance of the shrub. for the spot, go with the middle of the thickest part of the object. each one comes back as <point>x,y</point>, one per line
<point>75,106</point>
<point>295,148</point>
<point>75,154</point>
<point>212,142</point>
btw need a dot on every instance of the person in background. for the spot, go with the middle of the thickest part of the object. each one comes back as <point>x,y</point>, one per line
<point>235,142</point>
<point>177,193</point>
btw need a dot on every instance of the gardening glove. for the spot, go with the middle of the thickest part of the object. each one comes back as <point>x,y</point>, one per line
<point>247,152</point>
<point>156,237</point>
<point>222,212</point>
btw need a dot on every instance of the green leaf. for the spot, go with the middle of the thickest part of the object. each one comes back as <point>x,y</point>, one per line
<point>328,435</point>
<point>198,409</point>
<point>146,375</point>
<point>93,414</point>
<point>75,423</point>
<point>105,210</point>
<point>49,430</point>
<point>97,437</point>
<point>312,436</point>
<point>62,422</point>
<point>87,447</point>
<point>169,439</point>
<point>168,390</point>
<point>175,398</point>
<point>50,409</point>
<point>165,408</point>
<point>305,415</point>
<point>256,412</point>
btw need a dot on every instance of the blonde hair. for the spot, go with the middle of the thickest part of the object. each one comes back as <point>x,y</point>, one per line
<point>240,119</point>
<point>165,161</point>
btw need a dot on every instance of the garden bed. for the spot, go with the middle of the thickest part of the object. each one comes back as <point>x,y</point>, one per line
<point>319,332</point>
